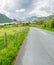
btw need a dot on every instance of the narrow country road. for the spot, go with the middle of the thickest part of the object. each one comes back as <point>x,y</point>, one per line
<point>38,49</point>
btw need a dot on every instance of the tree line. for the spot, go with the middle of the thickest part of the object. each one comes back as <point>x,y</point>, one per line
<point>49,23</point>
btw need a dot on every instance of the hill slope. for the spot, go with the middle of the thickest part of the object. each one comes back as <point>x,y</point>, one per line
<point>4,19</point>
<point>32,18</point>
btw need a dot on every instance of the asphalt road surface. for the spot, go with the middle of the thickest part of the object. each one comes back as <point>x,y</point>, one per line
<point>38,48</point>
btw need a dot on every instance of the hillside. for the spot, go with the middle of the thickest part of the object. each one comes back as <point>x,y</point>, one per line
<point>4,19</point>
<point>32,18</point>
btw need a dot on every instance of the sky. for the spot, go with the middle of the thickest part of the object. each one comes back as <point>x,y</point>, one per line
<point>26,8</point>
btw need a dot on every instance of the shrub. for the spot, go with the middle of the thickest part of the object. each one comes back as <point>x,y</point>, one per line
<point>51,23</point>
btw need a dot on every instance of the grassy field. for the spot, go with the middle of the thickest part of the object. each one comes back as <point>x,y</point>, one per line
<point>15,37</point>
<point>10,35</point>
<point>9,30</point>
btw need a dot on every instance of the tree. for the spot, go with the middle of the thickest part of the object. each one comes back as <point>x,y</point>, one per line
<point>51,23</point>
<point>40,22</point>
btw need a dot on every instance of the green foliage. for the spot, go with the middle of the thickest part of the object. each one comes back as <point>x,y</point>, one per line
<point>40,22</point>
<point>51,23</point>
<point>8,54</point>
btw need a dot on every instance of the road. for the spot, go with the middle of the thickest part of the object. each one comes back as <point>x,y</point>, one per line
<point>38,48</point>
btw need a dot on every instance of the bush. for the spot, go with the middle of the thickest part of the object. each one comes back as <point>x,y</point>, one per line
<point>51,23</point>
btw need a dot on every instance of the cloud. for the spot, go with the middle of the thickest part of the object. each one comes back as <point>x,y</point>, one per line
<point>15,7</point>
<point>49,7</point>
<point>20,10</point>
<point>38,11</point>
<point>25,8</point>
<point>4,12</point>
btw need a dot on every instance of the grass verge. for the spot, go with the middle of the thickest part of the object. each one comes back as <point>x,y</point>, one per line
<point>45,28</point>
<point>7,55</point>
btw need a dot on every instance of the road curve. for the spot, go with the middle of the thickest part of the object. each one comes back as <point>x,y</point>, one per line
<point>38,49</point>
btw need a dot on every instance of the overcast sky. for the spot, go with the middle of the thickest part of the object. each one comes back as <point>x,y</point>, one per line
<point>26,8</point>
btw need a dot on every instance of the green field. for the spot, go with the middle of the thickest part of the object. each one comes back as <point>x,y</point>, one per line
<point>10,35</point>
<point>15,37</point>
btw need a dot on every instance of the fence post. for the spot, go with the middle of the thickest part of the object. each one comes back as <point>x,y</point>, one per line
<point>5,39</point>
<point>15,35</point>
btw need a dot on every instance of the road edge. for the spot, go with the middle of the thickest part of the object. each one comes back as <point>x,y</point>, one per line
<point>18,54</point>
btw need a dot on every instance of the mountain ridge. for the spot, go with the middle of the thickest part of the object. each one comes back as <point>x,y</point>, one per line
<point>32,18</point>
<point>4,19</point>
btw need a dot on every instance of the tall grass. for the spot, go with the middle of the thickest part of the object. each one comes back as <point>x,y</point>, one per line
<point>8,54</point>
<point>10,35</point>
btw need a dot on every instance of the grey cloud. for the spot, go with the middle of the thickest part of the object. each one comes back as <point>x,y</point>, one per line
<point>28,5</point>
<point>19,4</point>
<point>49,7</point>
